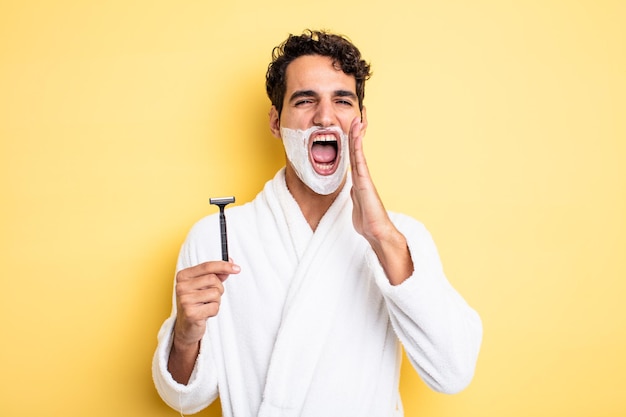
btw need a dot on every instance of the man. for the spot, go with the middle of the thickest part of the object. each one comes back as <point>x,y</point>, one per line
<point>328,283</point>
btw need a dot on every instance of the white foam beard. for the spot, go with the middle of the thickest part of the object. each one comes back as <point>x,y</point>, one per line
<point>296,144</point>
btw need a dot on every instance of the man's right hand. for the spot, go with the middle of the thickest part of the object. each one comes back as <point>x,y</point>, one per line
<point>199,292</point>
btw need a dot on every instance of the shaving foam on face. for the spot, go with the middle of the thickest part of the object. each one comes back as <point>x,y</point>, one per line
<point>296,144</point>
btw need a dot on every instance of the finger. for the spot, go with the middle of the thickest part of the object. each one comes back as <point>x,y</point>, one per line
<point>352,139</point>
<point>357,157</point>
<point>215,267</point>
<point>198,284</point>
<point>363,121</point>
<point>199,312</point>
<point>219,268</point>
<point>233,268</point>
<point>203,296</point>
<point>211,281</point>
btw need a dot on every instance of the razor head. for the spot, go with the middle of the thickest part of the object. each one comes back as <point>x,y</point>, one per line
<point>221,201</point>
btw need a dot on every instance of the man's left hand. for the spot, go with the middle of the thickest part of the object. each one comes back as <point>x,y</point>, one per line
<point>369,215</point>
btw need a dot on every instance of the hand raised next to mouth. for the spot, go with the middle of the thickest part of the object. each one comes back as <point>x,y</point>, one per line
<point>369,216</point>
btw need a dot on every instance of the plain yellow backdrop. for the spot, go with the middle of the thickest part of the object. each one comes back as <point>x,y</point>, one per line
<point>500,125</point>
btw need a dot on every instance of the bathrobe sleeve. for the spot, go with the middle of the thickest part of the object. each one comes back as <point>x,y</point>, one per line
<point>440,332</point>
<point>201,390</point>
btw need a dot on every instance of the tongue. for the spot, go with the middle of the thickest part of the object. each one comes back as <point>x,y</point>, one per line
<point>323,153</point>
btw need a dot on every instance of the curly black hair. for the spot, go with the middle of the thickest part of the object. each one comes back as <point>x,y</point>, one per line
<point>344,54</point>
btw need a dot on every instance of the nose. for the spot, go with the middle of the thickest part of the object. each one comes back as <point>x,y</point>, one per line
<point>324,114</point>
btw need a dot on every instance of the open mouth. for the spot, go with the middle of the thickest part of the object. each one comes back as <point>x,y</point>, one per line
<point>324,151</point>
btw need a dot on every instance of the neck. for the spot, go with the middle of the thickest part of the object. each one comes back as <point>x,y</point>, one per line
<point>312,205</point>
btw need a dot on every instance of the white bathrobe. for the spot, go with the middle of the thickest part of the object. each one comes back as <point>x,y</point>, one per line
<point>311,326</point>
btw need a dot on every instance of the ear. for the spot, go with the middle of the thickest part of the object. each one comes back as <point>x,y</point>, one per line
<point>364,119</point>
<point>275,122</point>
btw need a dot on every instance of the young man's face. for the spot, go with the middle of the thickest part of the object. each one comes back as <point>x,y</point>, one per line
<point>320,103</point>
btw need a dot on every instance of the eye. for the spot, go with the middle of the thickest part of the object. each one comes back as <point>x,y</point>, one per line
<point>345,102</point>
<point>303,102</point>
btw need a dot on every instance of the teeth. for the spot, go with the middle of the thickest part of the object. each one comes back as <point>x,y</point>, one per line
<point>324,166</point>
<point>325,138</point>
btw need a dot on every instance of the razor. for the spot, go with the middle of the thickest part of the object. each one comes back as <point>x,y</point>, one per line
<point>221,202</point>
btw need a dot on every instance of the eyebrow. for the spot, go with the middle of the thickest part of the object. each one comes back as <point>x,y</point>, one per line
<point>345,93</point>
<point>302,93</point>
<point>311,93</point>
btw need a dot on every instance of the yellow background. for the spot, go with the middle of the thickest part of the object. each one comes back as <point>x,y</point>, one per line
<point>500,125</point>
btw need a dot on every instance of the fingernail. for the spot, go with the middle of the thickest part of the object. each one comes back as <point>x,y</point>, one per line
<point>236,268</point>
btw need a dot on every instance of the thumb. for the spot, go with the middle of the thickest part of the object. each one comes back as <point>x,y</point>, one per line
<point>230,268</point>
